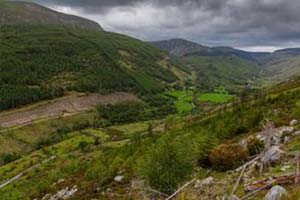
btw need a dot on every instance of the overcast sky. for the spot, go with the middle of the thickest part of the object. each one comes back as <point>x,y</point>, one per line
<point>262,25</point>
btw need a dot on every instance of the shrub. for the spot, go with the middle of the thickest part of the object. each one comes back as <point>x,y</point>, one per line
<point>254,145</point>
<point>84,146</point>
<point>8,157</point>
<point>227,156</point>
<point>165,167</point>
<point>121,113</point>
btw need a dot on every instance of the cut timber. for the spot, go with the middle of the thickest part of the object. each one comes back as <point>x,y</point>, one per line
<point>280,180</point>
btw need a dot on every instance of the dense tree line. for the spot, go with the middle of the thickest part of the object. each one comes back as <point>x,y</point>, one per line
<point>36,60</point>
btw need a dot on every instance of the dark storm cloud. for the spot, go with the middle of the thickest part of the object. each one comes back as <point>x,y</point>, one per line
<point>239,23</point>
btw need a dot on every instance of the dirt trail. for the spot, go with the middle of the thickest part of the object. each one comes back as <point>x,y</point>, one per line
<point>61,107</point>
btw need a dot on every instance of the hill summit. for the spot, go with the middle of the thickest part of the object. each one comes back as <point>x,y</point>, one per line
<point>12,12</point>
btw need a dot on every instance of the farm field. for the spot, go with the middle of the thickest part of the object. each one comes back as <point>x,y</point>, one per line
<point>183,99</point>
<point>215,97</point>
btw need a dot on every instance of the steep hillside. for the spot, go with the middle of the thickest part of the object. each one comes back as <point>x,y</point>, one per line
<point>283,69</point>
<point>73,158</point>
<point>232,72</point>
<point>14,12</point>
<point>42,61</point>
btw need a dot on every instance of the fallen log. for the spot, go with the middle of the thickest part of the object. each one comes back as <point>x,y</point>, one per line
<point>288,179</point>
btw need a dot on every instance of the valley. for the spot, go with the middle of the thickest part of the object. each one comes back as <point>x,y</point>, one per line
<point>88,114</point>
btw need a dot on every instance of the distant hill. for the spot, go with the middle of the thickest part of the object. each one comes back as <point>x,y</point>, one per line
<point>230,66</point>
<point>283,69</point>
<point>181,47</point>
<point>40,59</point>
<point>14,12</point>
<point>214,66</point>
<point>232,72</point>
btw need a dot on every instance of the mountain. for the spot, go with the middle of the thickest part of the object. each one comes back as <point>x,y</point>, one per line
<point>42,59</point>
<point>181,47</point>
<point>229,66</point>
<point>214,66</point>
<point>282,68</point>
<point>14,12</point>
<point>233,73</point>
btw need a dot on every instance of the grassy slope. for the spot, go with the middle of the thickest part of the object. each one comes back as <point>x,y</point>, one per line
<point>232,72</point>
<point>39,62</point>
<point>122,147</point>
<point>283,69</point>
<point>215,98</point>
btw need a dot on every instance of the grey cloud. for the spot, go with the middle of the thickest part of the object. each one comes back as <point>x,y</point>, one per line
<point>241,23</point>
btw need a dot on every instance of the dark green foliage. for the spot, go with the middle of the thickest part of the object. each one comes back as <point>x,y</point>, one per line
<point>165,167</point>
<point>42,62</point>
<point>122,113</point>
<point>84,146</point>
<point>130,112</point>
<point>8,157</point>
<point>16,95</point>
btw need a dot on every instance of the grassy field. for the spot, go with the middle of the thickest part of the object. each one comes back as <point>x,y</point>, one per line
<point>215,97</point>
<point>183,100</point>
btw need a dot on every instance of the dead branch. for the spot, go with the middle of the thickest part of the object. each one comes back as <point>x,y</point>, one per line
<point>238,180</point>
<point>157,192</point>
<point>256,191</point>
<point>175,193</point>
<point>297,174</point>
<point>248,163</point>
<point>288,179</point>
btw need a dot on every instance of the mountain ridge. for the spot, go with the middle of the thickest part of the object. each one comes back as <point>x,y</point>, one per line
<point>194,48</point>
<point>43,60</point>
<point>274,66</point>
<point>18,12</point>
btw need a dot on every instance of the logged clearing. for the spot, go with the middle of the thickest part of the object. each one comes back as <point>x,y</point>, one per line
<point>62,107</point>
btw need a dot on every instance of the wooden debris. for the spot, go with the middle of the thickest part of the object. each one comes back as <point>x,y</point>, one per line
<point>249,163</point>
<point>280,180</point>
<point>258,190</point>
<point>297,174</point>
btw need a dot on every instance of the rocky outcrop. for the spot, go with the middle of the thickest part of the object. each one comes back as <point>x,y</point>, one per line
<point>294,122</point>
<point>272,156</point>
<point>119,179</point>
<point>62,194</point>
<point>276,193</point>
<point>204,183</point>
